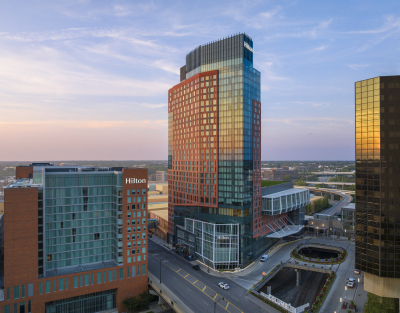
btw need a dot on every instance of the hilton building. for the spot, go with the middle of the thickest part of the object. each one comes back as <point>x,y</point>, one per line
<point>214,158</point>
<point>378,184</point>
<point>74,239</point>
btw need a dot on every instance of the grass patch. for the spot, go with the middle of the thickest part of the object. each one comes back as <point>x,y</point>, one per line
<point>268,183</point>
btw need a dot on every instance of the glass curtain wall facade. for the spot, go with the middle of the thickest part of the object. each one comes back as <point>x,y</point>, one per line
<point>377,176</point>
<point>82,220</point>
<point>94,302</point>
<point>230,62</point>
<point>217,245</point>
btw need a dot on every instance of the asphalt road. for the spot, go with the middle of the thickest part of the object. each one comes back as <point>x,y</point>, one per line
<point>198,290</point>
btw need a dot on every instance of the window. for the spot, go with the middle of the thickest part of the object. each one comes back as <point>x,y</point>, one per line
<point>75,281</point>
<point>133,251</point>
<point>121,273</point>
<point>133,206</point>
<point>139,258</point>
<point>139,214</point>
<point>133,192</point>
<point>91,278</point>
<point>110,275</point>
<point>7,309</point>
<point>86,279</point>
<point>129,214</point>
<point>129,230</point>
<point>23,291</point>
<point>139,199</point>
<point>115,274</point>
<point>30,290</point>
<point>138,191</point>
<point>40,290</point>
<point>66,283</point>
<point>144,206</point>
<point>96,236</point>
<point>129,260</point>
<point>99,277</point>
<point>143,221</point>
<point>143,191</point>
<point>47,284</point>
<point>81,280</point>
<point>143,250</point>
<point>139,243</point>
<point>127,207</point>
<point>54,285</point>
<point>143,235</point>
<point>105,276</point>
<point>61,284</point>
<point>129,199</point>
<point>133,271</point>
<point>29,305</point>
<point>138,269</point>
<point>143,269</point>
<point>127,270</point>
<point>128,192</point>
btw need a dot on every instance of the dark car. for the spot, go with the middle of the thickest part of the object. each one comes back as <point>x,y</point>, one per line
<point>196,267</point>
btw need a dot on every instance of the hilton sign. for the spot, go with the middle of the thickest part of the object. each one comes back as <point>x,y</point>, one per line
<point>135,181</point>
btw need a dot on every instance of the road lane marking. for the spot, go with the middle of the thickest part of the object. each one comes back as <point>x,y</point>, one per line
<point>203,290</point>
<point>186,276</point>
<point>204,302</point>
<point>215,296</point>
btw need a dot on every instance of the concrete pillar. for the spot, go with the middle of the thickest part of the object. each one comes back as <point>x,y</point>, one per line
<point>298,277</point>
<point>160,300</point>
<point>269,289</point>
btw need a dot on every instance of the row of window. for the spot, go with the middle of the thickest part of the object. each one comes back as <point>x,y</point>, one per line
<point>134,207</point>
<point>20,291</point>
<point>135,192</point>
<point>135,199</point>
<point>84,280</point>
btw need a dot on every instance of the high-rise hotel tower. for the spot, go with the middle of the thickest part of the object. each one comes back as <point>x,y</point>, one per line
<point>74,239</point>
<point>214,155</point>
<point>378,184</point>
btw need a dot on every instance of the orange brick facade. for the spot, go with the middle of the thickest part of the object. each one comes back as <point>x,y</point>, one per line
<point>23,172</point>
<point>21,254</point>
<point>193,111</point>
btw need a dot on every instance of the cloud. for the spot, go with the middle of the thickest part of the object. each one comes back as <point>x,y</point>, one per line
<point>86,124</point>
<point>358,66</point>
<point>316,122</point>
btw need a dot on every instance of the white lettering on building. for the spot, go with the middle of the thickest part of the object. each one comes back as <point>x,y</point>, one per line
<point>246,45</point>
<point>135,181</point>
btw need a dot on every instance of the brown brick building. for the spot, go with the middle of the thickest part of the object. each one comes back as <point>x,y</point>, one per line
<point>75,239</point>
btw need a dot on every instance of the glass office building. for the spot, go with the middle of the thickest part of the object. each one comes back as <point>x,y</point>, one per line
<point>377,108</point>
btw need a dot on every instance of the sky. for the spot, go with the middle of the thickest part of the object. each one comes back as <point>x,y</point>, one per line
<point>88,80</point>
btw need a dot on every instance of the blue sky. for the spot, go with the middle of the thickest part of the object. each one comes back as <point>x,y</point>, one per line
<point>89,79</point>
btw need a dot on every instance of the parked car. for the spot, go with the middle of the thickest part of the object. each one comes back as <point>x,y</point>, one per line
<point>224,285</point>
<point>351,282</point>
<point>357,272</point>
<point>264,258</point>
<point>250,255</point>
<point>196,267</point>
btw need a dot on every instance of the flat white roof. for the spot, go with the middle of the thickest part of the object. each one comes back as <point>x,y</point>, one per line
<point>285,192</point>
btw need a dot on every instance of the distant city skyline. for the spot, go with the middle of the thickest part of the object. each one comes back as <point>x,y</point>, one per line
<point>87,80</point>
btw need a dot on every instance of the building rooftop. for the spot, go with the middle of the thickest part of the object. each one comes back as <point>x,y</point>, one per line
<point>349,207</point>
<point>24,183</point>
<point>284,193</point>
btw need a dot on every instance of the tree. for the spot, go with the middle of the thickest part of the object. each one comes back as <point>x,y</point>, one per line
<point>300,182</point>
<point>287,178</point>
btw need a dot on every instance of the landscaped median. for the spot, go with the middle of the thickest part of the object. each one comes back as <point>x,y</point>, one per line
<point>323,293</point>
<point>342,254</point>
